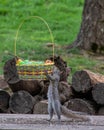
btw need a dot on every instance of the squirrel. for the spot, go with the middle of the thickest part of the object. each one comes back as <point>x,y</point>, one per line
<point>54,104</point>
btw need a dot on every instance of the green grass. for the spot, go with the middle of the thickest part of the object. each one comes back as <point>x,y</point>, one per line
<point>64,19</point>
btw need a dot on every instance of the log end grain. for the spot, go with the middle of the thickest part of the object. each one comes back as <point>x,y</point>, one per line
<point>21,102</point>
<point>98,93</point>
<point>80,105</point>
<point>41,107</point>
<point>81,81</point>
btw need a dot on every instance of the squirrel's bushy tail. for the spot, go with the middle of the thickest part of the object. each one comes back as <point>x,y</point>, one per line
<point>72,114</point>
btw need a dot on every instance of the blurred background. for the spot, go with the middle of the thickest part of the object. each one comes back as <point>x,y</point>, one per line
<point>34,41</point>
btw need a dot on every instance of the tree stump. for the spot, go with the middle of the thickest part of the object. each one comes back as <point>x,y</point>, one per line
<point>98,93</point>
<point>21,102</point>
<point>84,80</point>
<point>4,101</point>
<point>80,105</point>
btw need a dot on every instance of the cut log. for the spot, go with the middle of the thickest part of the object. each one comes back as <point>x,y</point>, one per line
<point>98,93</point>
<point>12,78</point>
<point>84,80</point>
<point>4,101</point>
<point>62,65</point>
<point>101,111</point>
<point>31,86</point>
<point>41,107</point>
<point>21,102</point>
<point>3,83</point>
<point>80,105</point>
<point>10,71</point>
<point>65,91</point>
<point>37,98</point>
<point>44,89</point>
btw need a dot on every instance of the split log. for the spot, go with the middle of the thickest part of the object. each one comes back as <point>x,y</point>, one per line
<point>98,93</point>
<point>4,101</point>
<point>80,105</point>
<point>101,111</point>
<point>21,102</point>
<point>84,80</point>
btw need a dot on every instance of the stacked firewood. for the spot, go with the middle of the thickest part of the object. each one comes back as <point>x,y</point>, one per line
<point>88,87</point>
<point>85,94</point>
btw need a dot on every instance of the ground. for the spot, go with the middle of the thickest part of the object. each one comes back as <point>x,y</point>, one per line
<point>40,122</point>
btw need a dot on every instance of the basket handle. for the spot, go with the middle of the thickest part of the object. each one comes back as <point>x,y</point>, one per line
<point>52,39</point>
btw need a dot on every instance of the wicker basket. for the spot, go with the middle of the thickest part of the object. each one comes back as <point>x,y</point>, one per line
<point>34,70</point>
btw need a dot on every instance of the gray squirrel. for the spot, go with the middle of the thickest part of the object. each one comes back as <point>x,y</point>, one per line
<point>54,104</point>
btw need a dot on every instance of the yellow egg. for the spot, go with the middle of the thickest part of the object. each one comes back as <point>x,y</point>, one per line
<point>18,61</point>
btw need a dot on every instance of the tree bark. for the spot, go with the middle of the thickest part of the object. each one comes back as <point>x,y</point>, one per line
<point>84,80</point>
<point>80,105</point>
<point>98,93</point>
<point>91,34</point>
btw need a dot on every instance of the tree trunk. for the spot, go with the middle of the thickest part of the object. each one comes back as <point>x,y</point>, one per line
<point>21,102</point>
<point>98,93</point>
<point>91,34</point>
<point>80,105</point>
<point>84,80</point>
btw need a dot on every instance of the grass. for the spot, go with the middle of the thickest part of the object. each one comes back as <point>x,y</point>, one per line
<point>64,19</point>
